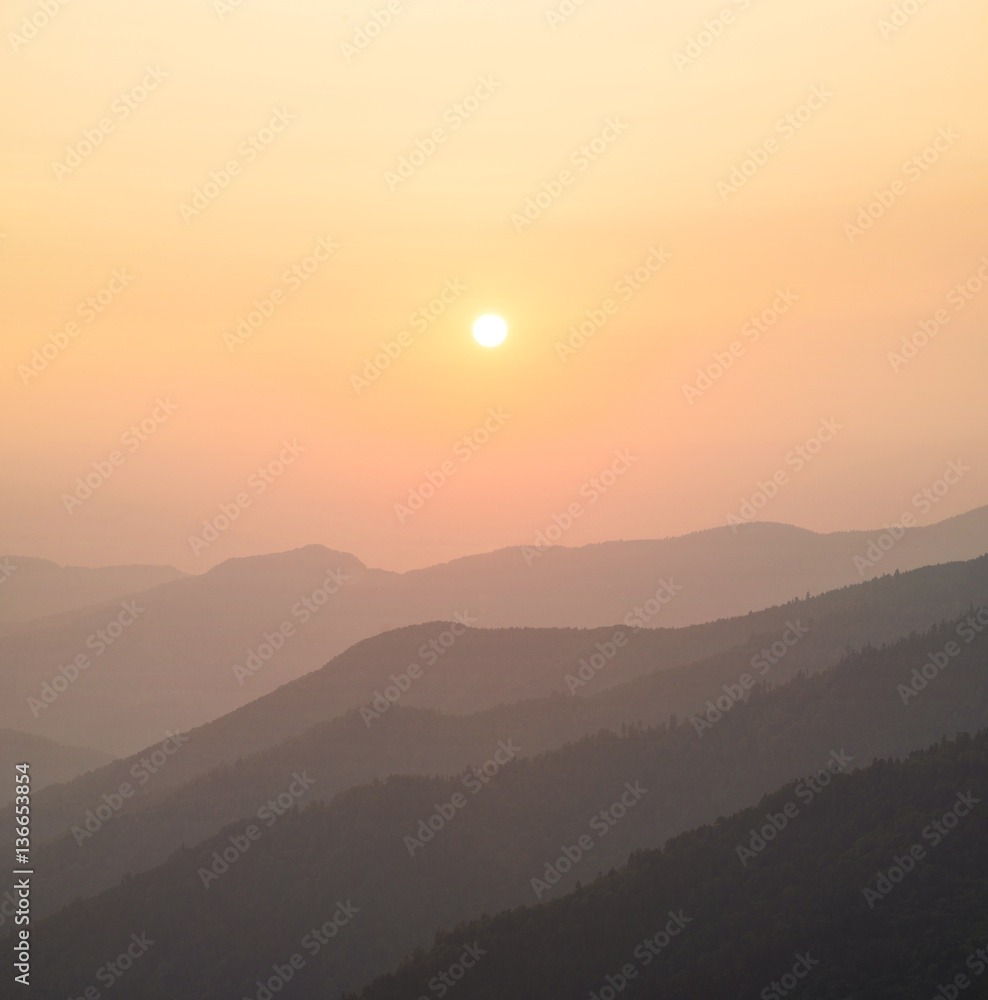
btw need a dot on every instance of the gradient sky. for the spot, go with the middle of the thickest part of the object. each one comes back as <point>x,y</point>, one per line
<point>220,75</point>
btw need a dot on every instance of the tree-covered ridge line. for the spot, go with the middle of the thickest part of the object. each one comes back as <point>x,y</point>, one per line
<point>744,930</point>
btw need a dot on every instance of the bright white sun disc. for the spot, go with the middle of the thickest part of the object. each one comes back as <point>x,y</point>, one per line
<point>490,331</point>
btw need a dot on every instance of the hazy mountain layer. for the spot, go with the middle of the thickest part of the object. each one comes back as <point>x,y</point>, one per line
<point>119,676</point>
<point>168,805</point>
<point>50,762</point>
<point>32,589</point>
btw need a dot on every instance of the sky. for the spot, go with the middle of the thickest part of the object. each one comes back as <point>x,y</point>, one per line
<point>244,245</point>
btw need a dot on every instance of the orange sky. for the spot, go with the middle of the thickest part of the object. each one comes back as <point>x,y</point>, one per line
<point>304,141</point>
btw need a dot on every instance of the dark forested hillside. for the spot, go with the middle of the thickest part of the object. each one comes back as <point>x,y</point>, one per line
<point>877,887</point>
<point>493,833</point>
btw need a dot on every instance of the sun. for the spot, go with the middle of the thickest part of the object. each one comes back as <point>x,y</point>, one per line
<point>489,331</point>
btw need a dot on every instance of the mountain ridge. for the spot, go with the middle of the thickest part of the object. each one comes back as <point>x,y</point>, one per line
<point>173,669</point>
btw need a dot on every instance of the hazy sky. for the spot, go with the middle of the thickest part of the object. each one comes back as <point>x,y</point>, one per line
<point>294,127</point>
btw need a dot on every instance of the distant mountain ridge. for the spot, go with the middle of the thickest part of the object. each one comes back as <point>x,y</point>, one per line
<point>174,667</point>
<point>33,589</point>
